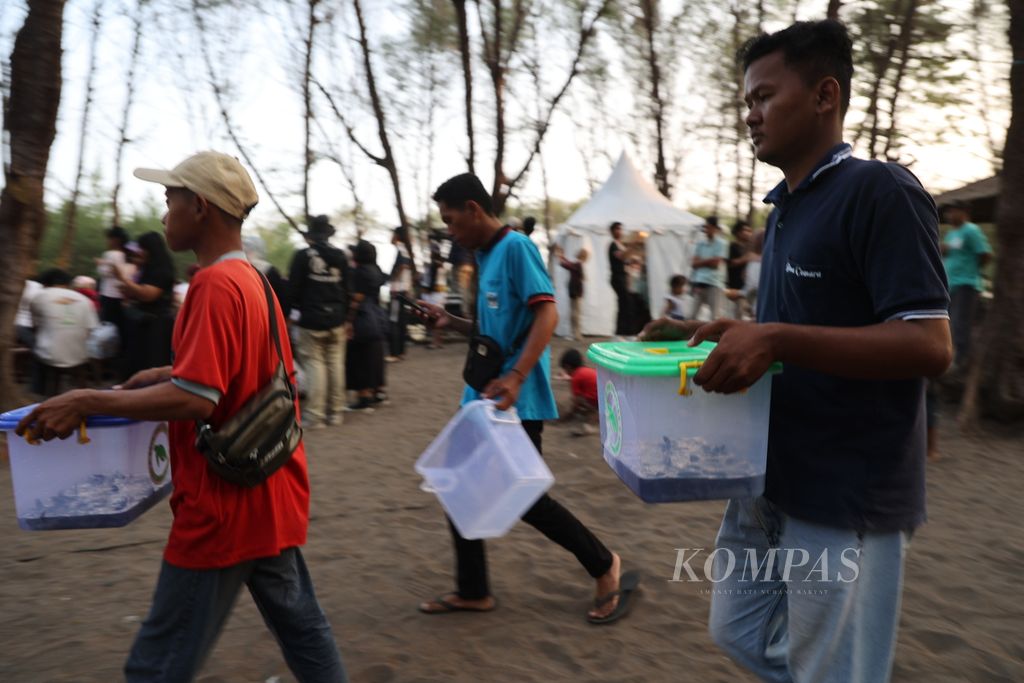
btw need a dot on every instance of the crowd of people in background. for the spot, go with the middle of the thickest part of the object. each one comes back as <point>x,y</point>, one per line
<point>108,328</point>
<point>80,330</point>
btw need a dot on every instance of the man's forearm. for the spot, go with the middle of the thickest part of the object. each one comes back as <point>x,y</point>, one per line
<point>898,349</point>
<point>460,325</point>
<point>163,401</point>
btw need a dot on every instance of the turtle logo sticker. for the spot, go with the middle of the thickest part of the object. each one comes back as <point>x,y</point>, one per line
<point>159,458</point>
<point>612,420</point>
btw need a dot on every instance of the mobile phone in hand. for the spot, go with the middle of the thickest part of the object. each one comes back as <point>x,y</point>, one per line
<point>409,303</point>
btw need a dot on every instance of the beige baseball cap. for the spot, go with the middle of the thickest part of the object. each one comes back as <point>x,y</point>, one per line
<point>218,178</point>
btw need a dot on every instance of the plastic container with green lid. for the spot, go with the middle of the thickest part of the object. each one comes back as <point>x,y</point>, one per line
<point>669,440</point>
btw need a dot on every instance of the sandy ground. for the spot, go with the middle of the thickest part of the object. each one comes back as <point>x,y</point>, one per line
<point>70,602</point>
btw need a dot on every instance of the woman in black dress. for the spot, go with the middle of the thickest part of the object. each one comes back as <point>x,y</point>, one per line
<point>364,360</point>
<point>149,301</point>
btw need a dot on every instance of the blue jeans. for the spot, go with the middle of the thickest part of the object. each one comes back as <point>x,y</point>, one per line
<point>190,606</point>
<point>789,615</point>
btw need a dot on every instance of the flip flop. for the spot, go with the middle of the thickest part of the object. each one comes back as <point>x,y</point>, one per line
<point>628,583</point>
<point>449,607</point>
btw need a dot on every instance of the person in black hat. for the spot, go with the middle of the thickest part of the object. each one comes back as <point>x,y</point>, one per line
<point>318,278</point>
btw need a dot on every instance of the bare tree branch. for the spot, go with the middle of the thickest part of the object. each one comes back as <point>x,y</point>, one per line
<point>587,32</point>
<point>219,96</point>
<point>71,211</point>
<point>467,77</point>
<point>122,133</point>
<point>349,130</point>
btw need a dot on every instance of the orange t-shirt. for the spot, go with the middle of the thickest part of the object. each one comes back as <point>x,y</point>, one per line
<point>222,342</point>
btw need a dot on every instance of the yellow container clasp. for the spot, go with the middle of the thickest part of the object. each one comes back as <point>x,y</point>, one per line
<point>33,437</point>
<point>684,367</point>
<point>661,351</point>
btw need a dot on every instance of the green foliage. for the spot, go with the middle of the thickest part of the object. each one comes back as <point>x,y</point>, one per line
<point>279,245</point>
<point>91,222</point>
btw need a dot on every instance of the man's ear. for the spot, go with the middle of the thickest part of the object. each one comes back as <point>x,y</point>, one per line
<point>202,206</point>
<point>828,96</point>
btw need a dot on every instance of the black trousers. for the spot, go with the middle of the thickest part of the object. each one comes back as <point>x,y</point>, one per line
<point>398,330</point>
<point>963,301</point>
<point>546,516</point>
<point>624,318</point>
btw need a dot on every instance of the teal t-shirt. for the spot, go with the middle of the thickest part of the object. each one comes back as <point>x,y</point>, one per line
<point>512,278</point>
<point>705,249</point>
<point>965,245</point>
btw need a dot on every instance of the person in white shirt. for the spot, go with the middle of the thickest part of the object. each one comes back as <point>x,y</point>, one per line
<point>62,319</point>
<point>23,332</point>
<point>111,294</point>
<point>675,300</point>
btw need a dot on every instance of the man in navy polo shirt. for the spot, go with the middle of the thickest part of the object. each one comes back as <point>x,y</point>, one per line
<point>515,306</point>
<point>853,301</point>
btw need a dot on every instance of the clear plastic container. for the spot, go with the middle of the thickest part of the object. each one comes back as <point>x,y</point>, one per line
<point>485,470</point>
<point>124,470</point>
<point>671,441</point>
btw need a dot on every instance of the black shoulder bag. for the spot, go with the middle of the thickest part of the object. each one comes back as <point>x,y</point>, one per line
<point>485,358</point>
<point>260,438</point>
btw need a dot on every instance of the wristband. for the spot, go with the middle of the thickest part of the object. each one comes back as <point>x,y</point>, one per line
<point>518,372</point>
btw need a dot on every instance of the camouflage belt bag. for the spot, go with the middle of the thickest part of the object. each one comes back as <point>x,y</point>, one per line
<point>260,438</point>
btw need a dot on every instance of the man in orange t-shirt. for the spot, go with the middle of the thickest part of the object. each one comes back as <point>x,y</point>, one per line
<point>223,535</point>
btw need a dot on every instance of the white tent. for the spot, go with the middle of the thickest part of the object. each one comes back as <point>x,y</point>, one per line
<point>628,198</point>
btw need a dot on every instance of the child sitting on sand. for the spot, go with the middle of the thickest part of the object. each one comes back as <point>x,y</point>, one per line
<point>583,382</point>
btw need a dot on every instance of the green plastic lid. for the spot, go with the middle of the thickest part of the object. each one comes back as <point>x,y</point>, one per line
<point>654,359</point>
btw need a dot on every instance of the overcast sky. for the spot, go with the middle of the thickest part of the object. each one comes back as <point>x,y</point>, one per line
<point>174,115</point>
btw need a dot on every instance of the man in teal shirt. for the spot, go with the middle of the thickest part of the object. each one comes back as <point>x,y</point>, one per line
<point>965,251</point>
<point>707,274</point>
<point>515,306</point>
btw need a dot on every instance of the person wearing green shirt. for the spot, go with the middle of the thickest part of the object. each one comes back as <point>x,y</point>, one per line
<point>965,252</point>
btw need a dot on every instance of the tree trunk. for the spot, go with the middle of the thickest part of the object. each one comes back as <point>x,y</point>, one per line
<point>71,210</point>
<point>122,135</point>
<point>752,177</point>
<point>218,95</point>
<point>387,161</point>
<point>998,365</point>
<point>871,122</point>
<point>307,103</point>
<point>649,20</point>
<point>587,32</point>
<point>739,125</point>
<point>833,9</point>
<point>903,51</point>
<point>979,11</point>
<point>467,77</point>
<point>31,122</point>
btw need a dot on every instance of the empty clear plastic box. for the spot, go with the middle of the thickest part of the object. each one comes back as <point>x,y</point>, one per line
<point>485,470</point>
<point>124,470</point>
<point>669,440</point>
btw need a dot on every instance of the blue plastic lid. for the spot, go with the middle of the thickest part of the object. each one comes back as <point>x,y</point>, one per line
<point>10,419</point>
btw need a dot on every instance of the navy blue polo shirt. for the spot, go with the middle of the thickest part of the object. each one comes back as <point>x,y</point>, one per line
<point>856,244</point>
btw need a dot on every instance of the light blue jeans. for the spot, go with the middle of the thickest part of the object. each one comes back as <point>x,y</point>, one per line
<point>794,601</point>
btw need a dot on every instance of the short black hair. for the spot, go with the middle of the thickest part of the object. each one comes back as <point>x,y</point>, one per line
<point>616,224</point>
<point>815,49</point>
<point>677,281</point>
<point>465,187</point>
<point>712,221</point>
<point>116,232</point>
<point>738,226</point>
<point>571,359</point>
<point>55,277</point>
<point>400,232</point>
<point>529,223</point>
